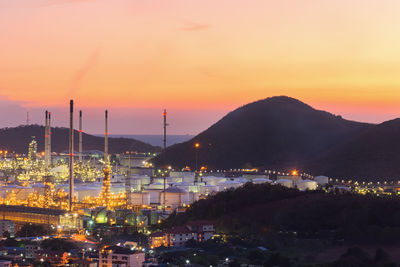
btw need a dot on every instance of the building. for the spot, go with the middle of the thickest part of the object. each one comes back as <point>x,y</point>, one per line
<point>55,258</point>
<point>31,249</point>
<point>7,226</point>
<point>204,229</point>
<point>5,263</point>
<point>116,256</point>
<point>21,215</point>
<point>178,236</point>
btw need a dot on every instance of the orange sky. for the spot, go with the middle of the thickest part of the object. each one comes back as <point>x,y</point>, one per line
<point>192,55</point>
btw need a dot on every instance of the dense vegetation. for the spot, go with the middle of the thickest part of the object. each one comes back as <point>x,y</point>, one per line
<point>17,139</point>
<point>282,133</point>
<point>261,212</point>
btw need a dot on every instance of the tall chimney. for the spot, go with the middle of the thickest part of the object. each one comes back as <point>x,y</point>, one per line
<point>106,138</point>
<point>71,153</point>
<point>165,137</point>
<point>49,140</point>
<point>46,139</point>
<point>165,153</point>
<point>80,135</point>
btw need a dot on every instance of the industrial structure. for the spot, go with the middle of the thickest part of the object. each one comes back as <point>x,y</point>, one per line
<point>69,191</point>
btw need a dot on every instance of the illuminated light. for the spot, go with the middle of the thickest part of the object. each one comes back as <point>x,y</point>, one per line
<point>294,172</point>
<point>197,145</point>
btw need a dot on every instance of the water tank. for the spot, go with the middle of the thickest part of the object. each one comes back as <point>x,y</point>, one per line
<point>303,185</point>
<point>321,180</point>
<point>140,198</point>
<point>285,182</point>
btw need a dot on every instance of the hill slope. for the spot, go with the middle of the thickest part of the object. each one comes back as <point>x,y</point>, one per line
<point>17,139</point>
<point>254,211</point>
<point>372,155</point>
<point>278,132</point>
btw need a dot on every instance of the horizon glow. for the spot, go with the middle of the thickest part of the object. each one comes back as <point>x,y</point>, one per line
<point>198,59</point>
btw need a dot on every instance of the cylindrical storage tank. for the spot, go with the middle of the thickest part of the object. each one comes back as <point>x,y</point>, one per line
<point>184,186</point>
<point>154,196</point>
<point>212,180</point>
<point>175,197</point>
<point>303,185</point>
<point>174,180</point>
<point>194,188</point>
<point>322,180</point>
<point>228,184</point>
<point>140,198</point>
<point>285,182</point>
<point>136,184</point>
<point>84,191</point>
<point>145,180</point>
<point>157,186</point>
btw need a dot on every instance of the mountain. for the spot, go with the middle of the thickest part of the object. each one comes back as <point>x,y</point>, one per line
<point>17,139</point>
<point>371,155</point>
<point>275,133</point>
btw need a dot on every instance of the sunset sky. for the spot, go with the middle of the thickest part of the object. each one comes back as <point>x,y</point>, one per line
<point>197,58</point>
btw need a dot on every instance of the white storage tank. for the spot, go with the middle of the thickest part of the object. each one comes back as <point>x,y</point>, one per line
<point>140,198</point>
<point>285,182</point>
<point>188,179</point>
<point>156,186</point>
<point>117,178</point>
<point>228,184</point>
<point>174,180</point>
<point>322,180</point>
<point>145,179</point>
<point>184,186</point>
<point>154,195</point>
<point>136,184</point>
<point>303,185</point>
<point>213,180</point>
<point>85,191</point>
<point>175,197</point>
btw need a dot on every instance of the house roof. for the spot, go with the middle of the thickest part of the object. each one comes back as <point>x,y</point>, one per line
<point>179,230</point>
<point>199,223</point>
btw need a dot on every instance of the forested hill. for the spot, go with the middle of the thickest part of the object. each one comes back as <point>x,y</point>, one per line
<point>18,138</point>
<point>254,211</point>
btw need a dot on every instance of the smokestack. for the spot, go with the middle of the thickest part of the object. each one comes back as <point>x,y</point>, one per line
<point>49,140</point>
<point>80,135</point>
<point>165,136</point>
<point>165,153</point>
<point>71,153</point>
<point>46,139</point>
<point>106,138</point>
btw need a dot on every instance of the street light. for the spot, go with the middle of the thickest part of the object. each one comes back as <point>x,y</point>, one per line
<point>196,146</point>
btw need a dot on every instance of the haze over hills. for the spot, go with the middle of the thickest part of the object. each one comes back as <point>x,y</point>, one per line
<point>17,139</point>
<point>283,133</point>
